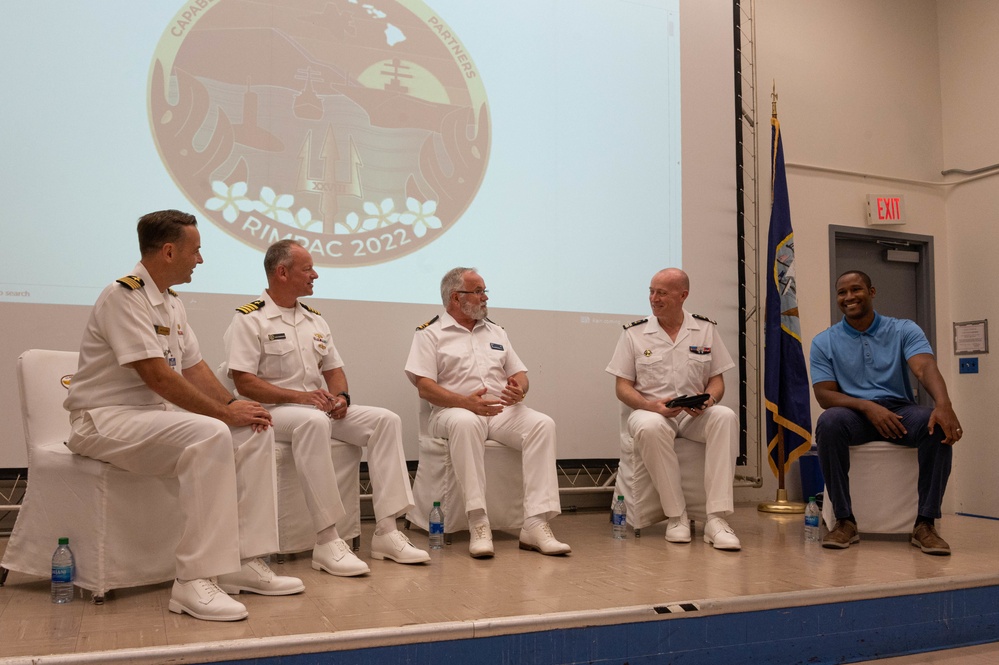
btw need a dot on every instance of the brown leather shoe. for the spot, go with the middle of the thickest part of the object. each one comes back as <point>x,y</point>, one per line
<point>926,538</point>
<point>843,535</point>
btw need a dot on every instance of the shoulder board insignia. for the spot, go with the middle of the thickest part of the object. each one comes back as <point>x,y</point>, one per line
<point>494,323</point>
<point>635,323</point>
<point>250,307</point>
<point>704,318</point>
<point>424,325</point>
<point>131,282</point>
<point>309,309</point>
<point>172,292</point>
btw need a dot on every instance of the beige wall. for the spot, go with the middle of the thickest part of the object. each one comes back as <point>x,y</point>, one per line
<point>903,89</point>
<point>969,66</point>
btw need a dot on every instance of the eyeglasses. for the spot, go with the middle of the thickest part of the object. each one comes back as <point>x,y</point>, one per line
<point>476,292</point>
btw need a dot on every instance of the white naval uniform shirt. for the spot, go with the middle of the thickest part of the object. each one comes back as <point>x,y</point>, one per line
<point>127,325</point>
<point>289,348</point>
<point>661,367</point>
<point>462,360</point>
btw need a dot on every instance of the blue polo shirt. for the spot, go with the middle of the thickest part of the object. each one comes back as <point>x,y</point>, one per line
<point>871,364</point>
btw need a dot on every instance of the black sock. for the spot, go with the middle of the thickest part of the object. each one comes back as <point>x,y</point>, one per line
<point>922,520</point>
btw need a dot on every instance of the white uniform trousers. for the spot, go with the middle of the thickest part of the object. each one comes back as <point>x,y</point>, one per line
<point>309,431</point>
<point>517,426</point>
<point>717,428</point>
<point>227,478</point>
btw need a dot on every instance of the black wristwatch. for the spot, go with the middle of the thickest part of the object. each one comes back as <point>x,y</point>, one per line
<point>346,396</point>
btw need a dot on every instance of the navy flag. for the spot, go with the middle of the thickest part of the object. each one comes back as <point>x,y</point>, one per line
<point>785,383</point>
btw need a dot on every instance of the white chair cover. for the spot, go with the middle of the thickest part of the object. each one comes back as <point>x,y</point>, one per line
<point>435,481</point>
<point>641,499</point>
<point>123,528</point>
<point>296,533</point>
<point>884,490</point>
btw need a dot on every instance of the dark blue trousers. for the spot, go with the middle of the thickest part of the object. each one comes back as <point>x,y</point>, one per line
<point>839,428</point>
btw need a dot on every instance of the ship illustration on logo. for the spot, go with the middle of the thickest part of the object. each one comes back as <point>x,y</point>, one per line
<point>361,131</point>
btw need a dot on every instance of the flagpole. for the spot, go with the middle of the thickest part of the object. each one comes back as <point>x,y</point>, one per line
<point>781,505</point>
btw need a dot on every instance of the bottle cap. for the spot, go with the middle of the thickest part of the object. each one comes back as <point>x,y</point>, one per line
<point>437,503</point>
<point>64,541</point>
<point>811,498</point>
<point>620,497</point>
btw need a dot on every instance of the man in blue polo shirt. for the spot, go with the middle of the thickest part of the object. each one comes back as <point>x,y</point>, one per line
<point>860,377</point>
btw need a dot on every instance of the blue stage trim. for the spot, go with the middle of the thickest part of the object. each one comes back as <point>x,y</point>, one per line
<point>842,632</point>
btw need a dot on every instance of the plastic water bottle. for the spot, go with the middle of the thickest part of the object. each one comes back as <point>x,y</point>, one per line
<point>63,573</point>
<point>436,526</point>
<point>619,518</point>
<point>812,534</point>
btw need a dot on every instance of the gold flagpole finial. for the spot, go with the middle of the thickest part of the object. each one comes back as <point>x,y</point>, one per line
<point>773,99</point>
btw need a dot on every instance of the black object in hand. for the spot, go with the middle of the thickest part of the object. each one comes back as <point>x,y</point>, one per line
<point>688,401</point>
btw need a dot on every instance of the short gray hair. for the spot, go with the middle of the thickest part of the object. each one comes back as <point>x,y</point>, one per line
<point>278,254</point>
<point>453,281</point>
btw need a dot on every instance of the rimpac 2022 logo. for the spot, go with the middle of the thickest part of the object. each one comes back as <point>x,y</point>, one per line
<point>359,129</point>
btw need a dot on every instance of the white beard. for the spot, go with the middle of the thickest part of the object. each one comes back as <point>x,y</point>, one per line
<point>476,312</point>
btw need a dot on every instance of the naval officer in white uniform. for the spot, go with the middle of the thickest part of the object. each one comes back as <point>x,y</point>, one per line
<point>279,351</point>
<point>144,400</point>
<point>464,365</point>
<point>677,353</point>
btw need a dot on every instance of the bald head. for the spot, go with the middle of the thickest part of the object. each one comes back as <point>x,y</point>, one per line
<point>667,292</point>
<point>673,276</point>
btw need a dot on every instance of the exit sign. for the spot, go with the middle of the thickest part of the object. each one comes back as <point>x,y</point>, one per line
<point>885,209</point>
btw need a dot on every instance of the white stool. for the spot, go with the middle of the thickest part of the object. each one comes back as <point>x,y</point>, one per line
<point>884,490</point>
<point>435,481</point>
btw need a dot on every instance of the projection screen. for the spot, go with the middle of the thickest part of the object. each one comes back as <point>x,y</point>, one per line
<point>568,149</point>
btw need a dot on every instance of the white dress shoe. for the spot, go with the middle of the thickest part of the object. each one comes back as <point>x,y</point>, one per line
<point>541,539</point>
<point>678,529</point>
<point>480,541</point>
<point>203,599</point>
<point>717,532</point>
<point>396,546</point>
<point>336,558</point>
<point>257,577</point>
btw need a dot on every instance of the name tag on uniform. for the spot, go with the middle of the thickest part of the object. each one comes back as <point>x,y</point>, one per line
<point>162,330</point>
<point>274,336</point>
<point>700,350</point>
<point>495,347</point>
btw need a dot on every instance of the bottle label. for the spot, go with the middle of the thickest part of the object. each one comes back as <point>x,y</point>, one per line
<point>812,520</point>
<point>619,519</point>
<point>436,528</point>
<point>61,574</point>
